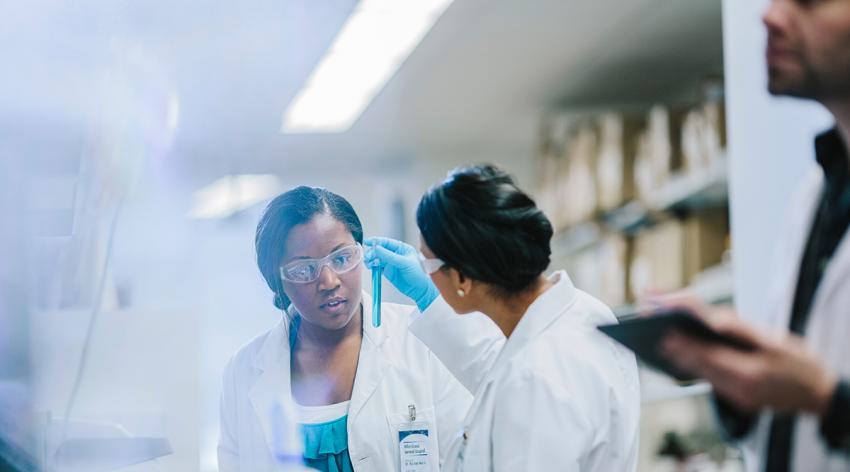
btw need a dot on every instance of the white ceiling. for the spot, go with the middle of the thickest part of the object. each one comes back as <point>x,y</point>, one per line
<point>476,85</point>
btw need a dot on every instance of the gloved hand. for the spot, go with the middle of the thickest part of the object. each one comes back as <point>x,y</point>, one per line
<point>400,262</point>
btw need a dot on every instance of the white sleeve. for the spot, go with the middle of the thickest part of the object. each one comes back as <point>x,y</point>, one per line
<point>536,426</point>
<point>468,344</point>
<point>228,443</point>
<point>452,402</point>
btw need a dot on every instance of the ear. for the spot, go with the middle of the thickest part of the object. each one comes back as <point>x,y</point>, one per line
<point>460,281</point>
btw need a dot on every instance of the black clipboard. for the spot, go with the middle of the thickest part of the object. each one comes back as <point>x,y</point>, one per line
<point>644,334</point>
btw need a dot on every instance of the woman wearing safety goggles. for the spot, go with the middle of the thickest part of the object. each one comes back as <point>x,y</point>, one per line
<point>362,397</point>
<point>551,392</point>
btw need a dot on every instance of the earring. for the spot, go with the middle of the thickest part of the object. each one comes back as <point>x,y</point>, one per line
<point>461,293</point>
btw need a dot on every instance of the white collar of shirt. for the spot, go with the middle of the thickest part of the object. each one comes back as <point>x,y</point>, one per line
<point>322,413</point>
<point>545,310</point>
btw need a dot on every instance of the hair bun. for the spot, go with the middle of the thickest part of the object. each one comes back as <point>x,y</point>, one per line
<point>479,222</point>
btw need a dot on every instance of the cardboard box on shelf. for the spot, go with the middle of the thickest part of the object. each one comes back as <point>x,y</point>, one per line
<point>618,141</point>
<point>659,149</point>
<point>667,256</point>
<point>613,260</point>
<point>643,175</point>
<point>703,136</point>
<point>578,178</point>
<point>715,136</point>
<point>706,241</point>
<point>693,141</point>
<point>602,269</point>
<point>548,165</point>
<point>714,108</point>
<point>664,124</point>
<point>544,196</point>
<point>657,262</point>
<point>564,206</point>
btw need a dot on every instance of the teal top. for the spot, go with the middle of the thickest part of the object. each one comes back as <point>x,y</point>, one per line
<point>325,444</point>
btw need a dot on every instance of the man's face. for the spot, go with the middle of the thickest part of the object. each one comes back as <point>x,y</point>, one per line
<point>808,53</point>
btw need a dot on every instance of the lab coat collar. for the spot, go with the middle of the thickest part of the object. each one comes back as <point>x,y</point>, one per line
<point>274,384</point>
<point>544,311</point>
<point>372,363</point>
<point>779,313</point>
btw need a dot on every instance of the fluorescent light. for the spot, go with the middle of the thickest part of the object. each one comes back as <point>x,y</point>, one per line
<point>371,46</point>
<point>232,194</point>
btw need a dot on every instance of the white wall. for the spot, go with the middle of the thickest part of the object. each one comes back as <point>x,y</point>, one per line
<point>142,369</point>
<point>770,147</point>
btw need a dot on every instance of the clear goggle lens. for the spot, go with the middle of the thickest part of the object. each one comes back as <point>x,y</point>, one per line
<point>307,270</point>
<point>430,265</point>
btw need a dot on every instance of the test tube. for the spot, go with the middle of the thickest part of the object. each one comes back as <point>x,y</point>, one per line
<point>377,272</point>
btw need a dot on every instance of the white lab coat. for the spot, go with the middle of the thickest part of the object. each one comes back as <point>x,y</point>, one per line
<point>394,370</point>
<point>559,395</point>
<point>827,331</point>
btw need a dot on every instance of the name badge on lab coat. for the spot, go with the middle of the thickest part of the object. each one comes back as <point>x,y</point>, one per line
<point>414,445</point>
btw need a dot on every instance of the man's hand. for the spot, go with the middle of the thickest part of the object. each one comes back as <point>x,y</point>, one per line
<point>780,373</point>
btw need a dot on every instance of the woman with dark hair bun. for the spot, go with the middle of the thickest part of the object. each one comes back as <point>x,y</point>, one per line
<point>364,398</point>
<point>551,392</point>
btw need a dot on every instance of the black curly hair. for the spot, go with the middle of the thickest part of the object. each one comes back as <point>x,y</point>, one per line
<point>481,224</point>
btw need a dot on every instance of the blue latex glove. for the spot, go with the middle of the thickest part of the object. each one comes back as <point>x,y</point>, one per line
<point>401,267</point>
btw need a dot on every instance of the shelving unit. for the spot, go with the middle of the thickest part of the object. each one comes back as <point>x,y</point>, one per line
<point>682,193</point>
<point>706,189</point>
<point>682,207</point>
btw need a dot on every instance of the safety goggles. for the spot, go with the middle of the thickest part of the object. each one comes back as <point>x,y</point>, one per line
<point>430,265</point>
<point>304,271</point>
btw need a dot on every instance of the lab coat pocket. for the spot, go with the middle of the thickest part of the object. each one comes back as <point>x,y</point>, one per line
<point>415,444</point>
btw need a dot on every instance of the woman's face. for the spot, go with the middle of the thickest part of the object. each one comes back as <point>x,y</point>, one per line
<point>332,300</point>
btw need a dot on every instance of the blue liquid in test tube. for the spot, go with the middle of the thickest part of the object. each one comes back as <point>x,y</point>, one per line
<point>377,272</point>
